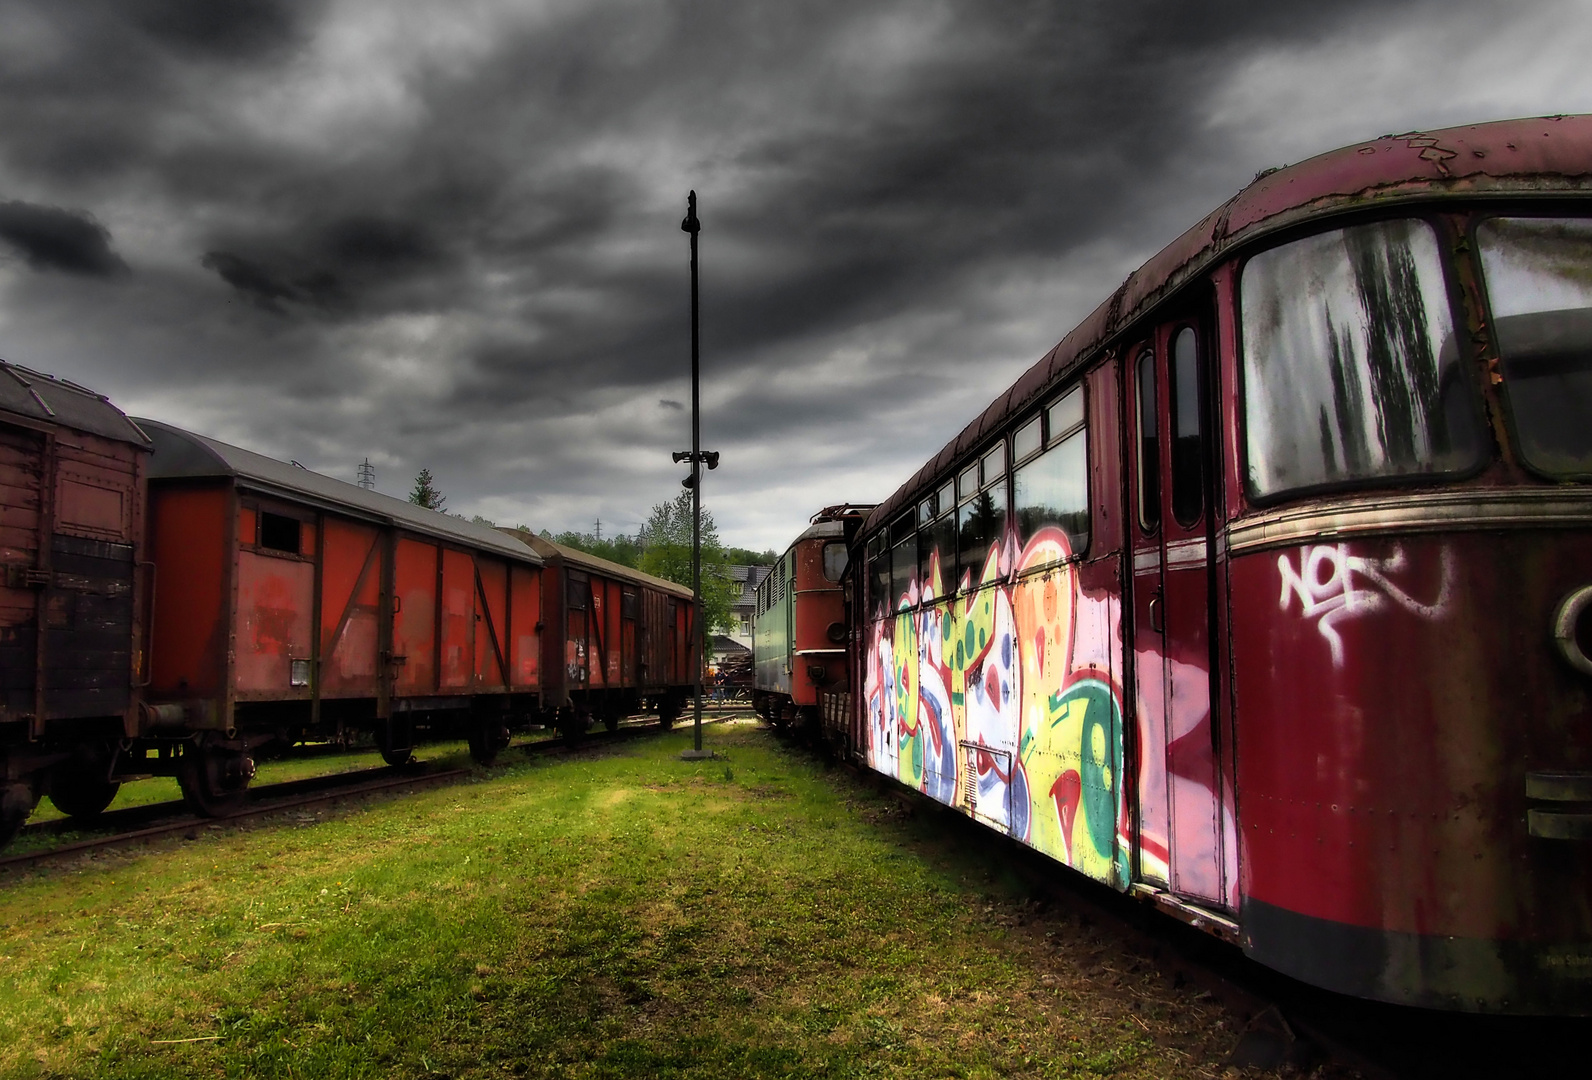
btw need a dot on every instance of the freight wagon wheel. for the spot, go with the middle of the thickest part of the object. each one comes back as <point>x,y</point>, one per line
<point>572,724</point>
<point>395,739</point>
<point>611,720</point>
<point>17,801</point>
<point>487,737</point>
<point>214,776</point>
<point>669,708</point>
<point>82,792</point>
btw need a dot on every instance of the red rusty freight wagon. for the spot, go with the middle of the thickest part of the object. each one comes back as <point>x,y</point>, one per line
<point>71,525</point>
<point>288,604</point>
<point>619,638</point>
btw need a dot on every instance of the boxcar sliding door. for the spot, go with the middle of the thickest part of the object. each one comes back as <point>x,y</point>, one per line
<point>1181,823</point>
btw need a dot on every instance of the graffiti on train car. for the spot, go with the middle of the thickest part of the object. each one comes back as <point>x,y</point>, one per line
<point>999,700</point>
<point>1328,591</point>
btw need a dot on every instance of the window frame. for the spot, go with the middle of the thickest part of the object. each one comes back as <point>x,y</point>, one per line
<point>1145,355</point>
<point>1473,241</point>
<point>1051,440</point>
<point>259,508</point>
<point>1450,255</point>
<point>1202,356</point>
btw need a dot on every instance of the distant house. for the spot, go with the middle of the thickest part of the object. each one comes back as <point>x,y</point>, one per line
<point>748,578</point>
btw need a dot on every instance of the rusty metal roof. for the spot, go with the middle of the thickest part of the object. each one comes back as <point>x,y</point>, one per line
<point>1540,157</point>
<point>45,398</point>
<point>183,455</point>
<point>576,557</point>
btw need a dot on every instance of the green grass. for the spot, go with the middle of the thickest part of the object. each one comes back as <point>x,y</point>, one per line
<point>623,914</point>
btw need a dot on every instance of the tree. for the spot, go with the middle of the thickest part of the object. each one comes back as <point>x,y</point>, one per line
<point>426,494</point>
<point>621,549</point>
<point>666,553</point>
<point>739,556</point>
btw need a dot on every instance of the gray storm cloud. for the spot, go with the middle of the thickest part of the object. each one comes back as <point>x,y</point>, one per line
<point>51,238</point>
<point>449,236</point>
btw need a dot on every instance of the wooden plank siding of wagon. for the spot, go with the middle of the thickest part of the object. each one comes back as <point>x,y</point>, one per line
<point>620,633</point>
<point>71,517</point>
<point>71,643</point>
<point>348,607</point>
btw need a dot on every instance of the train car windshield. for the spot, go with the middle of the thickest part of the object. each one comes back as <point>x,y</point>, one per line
<point>1352,371</point>
<point>1539,284</point>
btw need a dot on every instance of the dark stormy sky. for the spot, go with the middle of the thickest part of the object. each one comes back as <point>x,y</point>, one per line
<point>447,235</point>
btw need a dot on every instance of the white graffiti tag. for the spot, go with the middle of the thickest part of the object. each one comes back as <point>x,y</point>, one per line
<point>1333,585</point>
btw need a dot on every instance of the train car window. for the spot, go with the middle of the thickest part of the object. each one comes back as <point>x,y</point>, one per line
<point>980,523</point>
<point>279,533</point>
<point>1352,369</point>
<point>1029,437</point>
<point>1539,284</point>
<point>947,497</point>
<point>903,560</point>
<point>878,572</point>
<point>967,483</point>
<point>1149,445</point>
<point>577,591</point>
<point>835,559</point>
<point>1188,428</point>
<point>1066,415</point>
<point>628,602</point>
<point>926,511</point>
<point>993,465</point>
<point>1052,492</point>
<point>937,550</point>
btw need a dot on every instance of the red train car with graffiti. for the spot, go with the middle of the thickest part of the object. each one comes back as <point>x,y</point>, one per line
<point>1266,595</point>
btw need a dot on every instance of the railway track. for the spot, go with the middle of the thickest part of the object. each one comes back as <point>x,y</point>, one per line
<point>138,824</point>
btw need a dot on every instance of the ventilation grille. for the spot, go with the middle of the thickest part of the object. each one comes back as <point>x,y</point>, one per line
<point>967,779</point>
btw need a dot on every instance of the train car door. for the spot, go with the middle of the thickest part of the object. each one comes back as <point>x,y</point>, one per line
<point>1180,820</point>
<point>577,647</point>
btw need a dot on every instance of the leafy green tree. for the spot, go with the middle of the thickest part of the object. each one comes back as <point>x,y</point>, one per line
<point>622,549</point>
<point>426,493</point>
<point>666,553</point>
<point>739,556</point>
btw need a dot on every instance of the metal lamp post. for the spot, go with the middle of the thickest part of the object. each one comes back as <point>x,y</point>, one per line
<point>697,457</point>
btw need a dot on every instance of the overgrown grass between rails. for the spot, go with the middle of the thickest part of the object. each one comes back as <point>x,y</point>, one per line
<point>623,915</point>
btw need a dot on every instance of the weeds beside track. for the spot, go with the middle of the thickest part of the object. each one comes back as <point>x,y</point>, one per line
<point>623,914</point>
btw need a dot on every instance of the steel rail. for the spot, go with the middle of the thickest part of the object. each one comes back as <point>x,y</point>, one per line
<point>316,790</point>
<point>189,822</point>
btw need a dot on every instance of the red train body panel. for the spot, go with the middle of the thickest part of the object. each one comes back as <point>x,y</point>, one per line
<point>71,542</point>
<point>624,637</point>
<point>799,626</point>
<point>258,602</point>
<point>1267,594</point>
<point>352,605</point>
